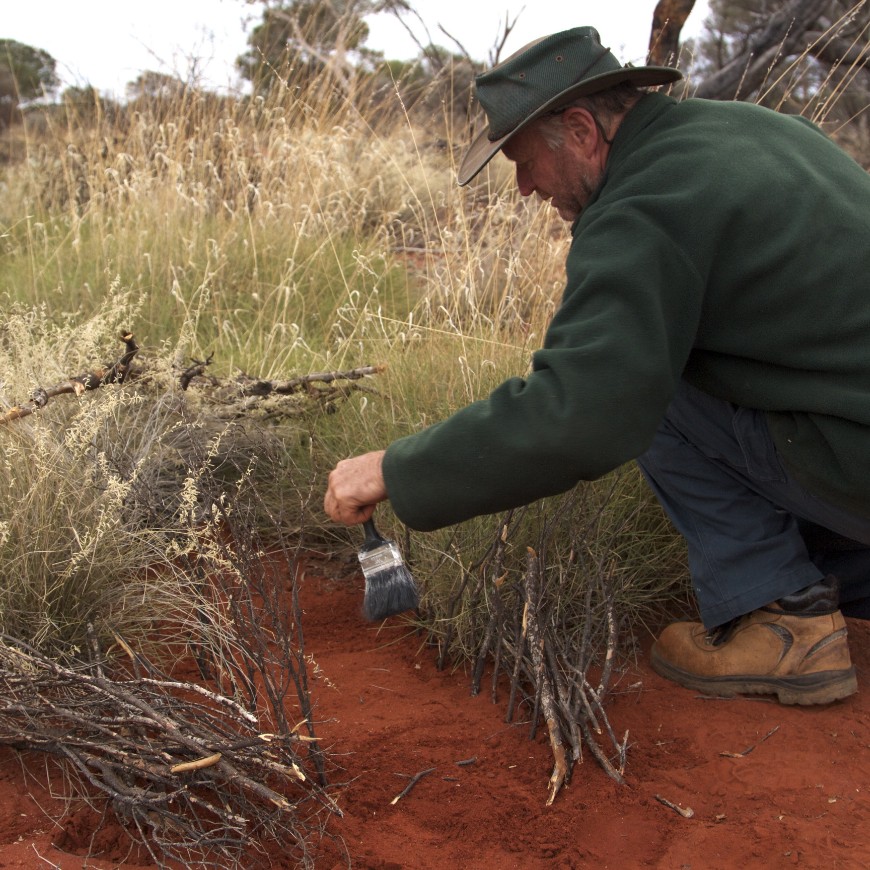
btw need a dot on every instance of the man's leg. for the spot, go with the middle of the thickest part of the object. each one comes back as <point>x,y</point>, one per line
<point>715,470</point>
<point>846,559</point>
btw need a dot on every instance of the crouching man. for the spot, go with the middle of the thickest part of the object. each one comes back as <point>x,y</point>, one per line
<point>715,326</point>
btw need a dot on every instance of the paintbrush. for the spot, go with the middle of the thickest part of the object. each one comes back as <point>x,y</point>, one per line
<point>390,586</point>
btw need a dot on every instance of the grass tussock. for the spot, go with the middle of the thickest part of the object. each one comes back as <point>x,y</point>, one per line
<point>143,539</point>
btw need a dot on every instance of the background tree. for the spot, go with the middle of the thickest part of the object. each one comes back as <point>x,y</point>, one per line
<point>442,80</point>
<point>669,16</point>
<point>85,107</point>
<point>150,85</point>
<point>308,38</point>
<point>807,56</point>
<point>747,46</point>
<point>25,74</point>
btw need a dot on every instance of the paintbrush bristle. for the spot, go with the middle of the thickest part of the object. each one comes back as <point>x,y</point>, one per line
<point>389,592</point>
<point>390,586</point>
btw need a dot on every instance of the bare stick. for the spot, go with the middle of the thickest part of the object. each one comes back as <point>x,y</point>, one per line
<point>686,812</point>
<point>414,780</point>
<point>259,387</point>
<point>561,768</point>
<point>599,755</point>
<point>115,373</point>
<point>750,748</point>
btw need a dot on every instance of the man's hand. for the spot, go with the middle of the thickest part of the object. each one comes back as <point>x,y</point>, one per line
<point>355,486</point>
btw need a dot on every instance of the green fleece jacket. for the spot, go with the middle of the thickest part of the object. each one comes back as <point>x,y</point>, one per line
<point>728,245</point>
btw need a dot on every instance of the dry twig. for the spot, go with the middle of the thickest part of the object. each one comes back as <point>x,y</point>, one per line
<point>187,765</point>
<point>549,705</point>
<point>750,748</point>
<point>685,812</point>
<point>414,780</point>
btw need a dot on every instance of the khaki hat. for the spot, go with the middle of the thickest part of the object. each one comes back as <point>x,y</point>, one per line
<point>543,76</point>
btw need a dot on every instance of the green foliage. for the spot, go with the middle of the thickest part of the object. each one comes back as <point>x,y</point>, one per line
<point>63,556</point>
<point>85,104</point>
<point>105,499</point>
<point>317,49</point>
<point>25,73</point>
<point>301,39</point>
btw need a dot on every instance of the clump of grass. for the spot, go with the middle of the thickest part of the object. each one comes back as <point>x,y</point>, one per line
<point>141,531</point>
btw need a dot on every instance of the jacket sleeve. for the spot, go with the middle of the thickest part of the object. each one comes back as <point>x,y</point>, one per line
<point>596,392</point>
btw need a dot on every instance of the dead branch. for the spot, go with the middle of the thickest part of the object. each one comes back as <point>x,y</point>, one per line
<point>685,812</point>
<point>414,780</point>
<point>249,386</point>
<point>247,396</point>
<point>183,763</point>
<point>750,748</point>
<point>547,627</point>
<point>197,370</point>
<point>243,396</point>
<point>496,621</point>
<point>114,373</point>
<point>549,706</point>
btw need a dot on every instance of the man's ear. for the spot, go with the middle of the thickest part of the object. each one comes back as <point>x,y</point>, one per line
<point>580,125</point>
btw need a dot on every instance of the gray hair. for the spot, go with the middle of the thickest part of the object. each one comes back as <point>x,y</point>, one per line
<point>603,106</point>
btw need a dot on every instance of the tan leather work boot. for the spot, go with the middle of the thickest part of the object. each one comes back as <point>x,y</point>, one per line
<point>795,649</point>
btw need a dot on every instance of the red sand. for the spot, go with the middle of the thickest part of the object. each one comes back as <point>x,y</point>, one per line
<point>769,786</point>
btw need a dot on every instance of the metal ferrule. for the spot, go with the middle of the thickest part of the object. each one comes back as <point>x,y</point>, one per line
<point>382,558</point>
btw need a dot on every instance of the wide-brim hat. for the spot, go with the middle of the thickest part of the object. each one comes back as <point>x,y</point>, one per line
<point>544,76</point>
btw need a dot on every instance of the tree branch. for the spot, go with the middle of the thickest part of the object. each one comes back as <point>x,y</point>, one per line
<point>784,34</point>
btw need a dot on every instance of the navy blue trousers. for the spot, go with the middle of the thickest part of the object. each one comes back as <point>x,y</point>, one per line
<point>754,533</point>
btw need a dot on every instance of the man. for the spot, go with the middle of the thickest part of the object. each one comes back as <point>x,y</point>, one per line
<point>715,326</point>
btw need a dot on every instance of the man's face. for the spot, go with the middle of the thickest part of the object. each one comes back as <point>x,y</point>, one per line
<point>562,177</point>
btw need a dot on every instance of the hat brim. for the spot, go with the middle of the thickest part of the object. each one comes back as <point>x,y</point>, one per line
<point>483,149</point>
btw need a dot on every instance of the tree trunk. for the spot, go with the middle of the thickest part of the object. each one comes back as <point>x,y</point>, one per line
<point>668,20</point>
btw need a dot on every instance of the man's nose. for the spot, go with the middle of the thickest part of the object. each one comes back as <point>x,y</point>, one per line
<point>524,183</point>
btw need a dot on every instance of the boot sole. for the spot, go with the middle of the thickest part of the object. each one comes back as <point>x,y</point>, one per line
<point>823,687</point>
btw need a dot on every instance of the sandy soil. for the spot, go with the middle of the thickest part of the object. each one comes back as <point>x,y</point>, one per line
<point>767,786</point>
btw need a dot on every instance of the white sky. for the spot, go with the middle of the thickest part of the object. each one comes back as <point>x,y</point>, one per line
<point>108,43</point>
